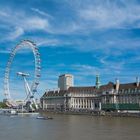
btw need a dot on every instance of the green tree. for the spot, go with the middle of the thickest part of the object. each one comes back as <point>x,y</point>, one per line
<point>2,105</point>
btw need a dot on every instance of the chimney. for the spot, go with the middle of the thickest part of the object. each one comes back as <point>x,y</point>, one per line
<point>137,81</point>
<point>117,84</point>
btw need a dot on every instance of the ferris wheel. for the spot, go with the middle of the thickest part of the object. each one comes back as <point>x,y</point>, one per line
<point>32,90</point>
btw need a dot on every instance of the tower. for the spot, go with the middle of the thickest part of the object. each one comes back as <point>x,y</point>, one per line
<point>117,85</point>
<point>137,81</point>
<point>97,81</point>
<point>65,81</point>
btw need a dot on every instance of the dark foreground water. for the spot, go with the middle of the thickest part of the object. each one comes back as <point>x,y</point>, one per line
<point>69,127</point>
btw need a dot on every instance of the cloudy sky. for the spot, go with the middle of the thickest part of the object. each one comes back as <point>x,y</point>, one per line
<point>81,37</point>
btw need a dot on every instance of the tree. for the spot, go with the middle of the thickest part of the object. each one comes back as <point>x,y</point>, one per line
<point>3,105</point>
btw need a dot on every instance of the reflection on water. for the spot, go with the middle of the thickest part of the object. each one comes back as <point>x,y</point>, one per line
<point>69,127</point>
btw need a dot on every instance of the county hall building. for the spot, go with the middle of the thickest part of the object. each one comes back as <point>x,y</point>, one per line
<point>108,97</point>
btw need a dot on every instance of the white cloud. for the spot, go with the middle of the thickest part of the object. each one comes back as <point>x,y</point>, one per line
<point>86,16</point>
<point>18,22</point>
<point>105,14</point>
<point>109,67</point>
<point>41,12</point>
<point>109,14</point>
<point>4,14</point>
<point>47,42</point>
<point>35,23</point>
<point>15,34</point>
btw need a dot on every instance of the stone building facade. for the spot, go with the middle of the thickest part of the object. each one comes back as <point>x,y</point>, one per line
<point>53,100</point>
<point>108,97</point>
<point>82,98</point>
<point>124,97</point>
<point>73,99</point>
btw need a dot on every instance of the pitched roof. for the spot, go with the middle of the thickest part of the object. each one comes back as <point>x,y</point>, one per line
<point>128,86</point>
<point>108,86</point>
<point>55,93</point>
<point>91,89</point>
<point>79,89</point>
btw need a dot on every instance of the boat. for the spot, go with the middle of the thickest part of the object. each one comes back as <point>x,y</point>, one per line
<point>49,118</point>
<point>44,118</point>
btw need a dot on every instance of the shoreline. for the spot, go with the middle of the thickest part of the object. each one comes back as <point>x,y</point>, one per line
<point>98,114</point>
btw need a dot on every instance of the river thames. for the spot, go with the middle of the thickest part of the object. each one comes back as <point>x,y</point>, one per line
<point>69,127</point>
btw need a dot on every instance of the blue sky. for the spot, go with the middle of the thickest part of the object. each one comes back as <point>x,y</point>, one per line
<point>81,37</point>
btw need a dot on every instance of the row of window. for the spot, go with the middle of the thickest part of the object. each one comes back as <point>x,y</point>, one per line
<point>81,101</point>
<point>122,99</point>
<point>129,91</point>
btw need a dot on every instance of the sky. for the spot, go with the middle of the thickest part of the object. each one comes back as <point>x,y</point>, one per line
<point>80,37</point>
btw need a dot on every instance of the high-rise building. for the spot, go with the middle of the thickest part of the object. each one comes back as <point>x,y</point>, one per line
<point>65,81</point>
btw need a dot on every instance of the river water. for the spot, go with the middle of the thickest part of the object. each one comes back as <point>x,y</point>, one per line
<point>69,127</point>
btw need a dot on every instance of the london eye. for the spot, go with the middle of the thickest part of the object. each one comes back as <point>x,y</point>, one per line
<point>30,90</point>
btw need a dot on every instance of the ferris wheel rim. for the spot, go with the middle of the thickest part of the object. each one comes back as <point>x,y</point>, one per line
<point>30,44</point>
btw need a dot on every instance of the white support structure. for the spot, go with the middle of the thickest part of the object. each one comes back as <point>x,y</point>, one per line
<point>29,94</point>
